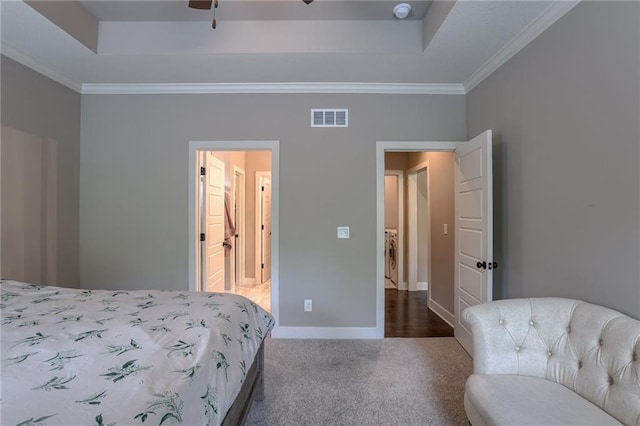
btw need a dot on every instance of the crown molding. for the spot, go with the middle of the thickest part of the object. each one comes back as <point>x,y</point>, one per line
<point>550,15</point>
<point>286,88</point>
<point>18,55</point>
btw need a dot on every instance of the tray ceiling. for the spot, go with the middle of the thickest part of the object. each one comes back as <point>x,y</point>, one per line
<point>330,41</point>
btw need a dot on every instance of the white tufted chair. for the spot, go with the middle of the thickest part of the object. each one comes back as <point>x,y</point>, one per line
<point>550,361</point>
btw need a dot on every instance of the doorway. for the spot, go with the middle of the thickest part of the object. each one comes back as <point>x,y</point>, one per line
<point>418,229</point>
<point>224,215</point>
<point>407,311</point>
<point>472,231</point>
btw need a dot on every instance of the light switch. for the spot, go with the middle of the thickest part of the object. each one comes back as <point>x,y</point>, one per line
<point>446,232</point>
<point>343,232</point>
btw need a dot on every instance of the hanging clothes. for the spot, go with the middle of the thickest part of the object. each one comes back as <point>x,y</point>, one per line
<point>229,226</point>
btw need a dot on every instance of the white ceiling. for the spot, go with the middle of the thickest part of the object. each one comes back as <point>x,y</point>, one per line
<point>329,41</point>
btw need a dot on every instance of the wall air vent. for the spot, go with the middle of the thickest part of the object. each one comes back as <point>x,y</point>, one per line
<point>329,118</point>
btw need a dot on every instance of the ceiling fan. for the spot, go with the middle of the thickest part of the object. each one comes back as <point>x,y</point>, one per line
<point>206,5</point>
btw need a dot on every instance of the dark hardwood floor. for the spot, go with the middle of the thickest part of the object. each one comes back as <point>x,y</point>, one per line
<point>407,315</point>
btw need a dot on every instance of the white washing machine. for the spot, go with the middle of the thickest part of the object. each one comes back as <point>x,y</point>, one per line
<point>391,255</point>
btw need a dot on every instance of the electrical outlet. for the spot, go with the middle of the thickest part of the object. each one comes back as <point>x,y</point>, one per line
<point>307,305</point>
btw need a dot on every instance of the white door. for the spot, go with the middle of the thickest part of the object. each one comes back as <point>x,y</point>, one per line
<point>474,230</point>
<point>265,235</point>
<point>213,264</point>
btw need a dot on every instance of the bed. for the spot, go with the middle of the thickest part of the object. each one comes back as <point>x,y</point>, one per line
<point>99,357</point>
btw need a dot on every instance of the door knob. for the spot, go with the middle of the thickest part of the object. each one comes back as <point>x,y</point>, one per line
<point>482,265</point>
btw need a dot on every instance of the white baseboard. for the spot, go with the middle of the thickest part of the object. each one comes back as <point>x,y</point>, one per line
<point>403,286</point>
<point>248,282</point>
<point>420,286</point>
<point>324,333</point>
<point>447,316</point>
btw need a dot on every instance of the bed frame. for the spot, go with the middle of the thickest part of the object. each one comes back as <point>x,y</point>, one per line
<point>252,388</point>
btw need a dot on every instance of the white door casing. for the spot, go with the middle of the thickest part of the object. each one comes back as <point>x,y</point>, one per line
<point>474,230</point>
<point>412,237</point>
<point>424,232</point>
<point>265,228</point>
<point>238,206</point>
<point>399,174</point>
<point>213,265</point>
<point>412,231</point>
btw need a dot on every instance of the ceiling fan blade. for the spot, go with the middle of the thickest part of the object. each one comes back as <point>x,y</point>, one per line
<point>200,4</point>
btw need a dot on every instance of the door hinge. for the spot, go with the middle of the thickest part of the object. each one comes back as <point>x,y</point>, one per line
<point>262,266</point>
<point>202,236</point>
<point>262,227</point>
<point>263,188</point>
<point>202,171</point>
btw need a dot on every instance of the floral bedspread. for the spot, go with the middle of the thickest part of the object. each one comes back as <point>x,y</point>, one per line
<point>98,357</point>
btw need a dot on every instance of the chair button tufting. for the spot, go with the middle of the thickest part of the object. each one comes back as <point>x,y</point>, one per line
<point>530,322</point>
<point>517,348</point>
<point>601,342</point>
<point>579,364</point>
<point>501,322</point>
<point>635,356</point>
<point>568,329</point>
<point>611,381</point>
<point>549,353</point>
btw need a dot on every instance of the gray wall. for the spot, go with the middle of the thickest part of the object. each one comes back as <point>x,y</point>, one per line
<point>134,209</point>
<point>40,175</point>
<point>442,211</point>
<point>567,163</point>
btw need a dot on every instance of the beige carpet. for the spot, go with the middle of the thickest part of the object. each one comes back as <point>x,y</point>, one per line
<point>395,381</point>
